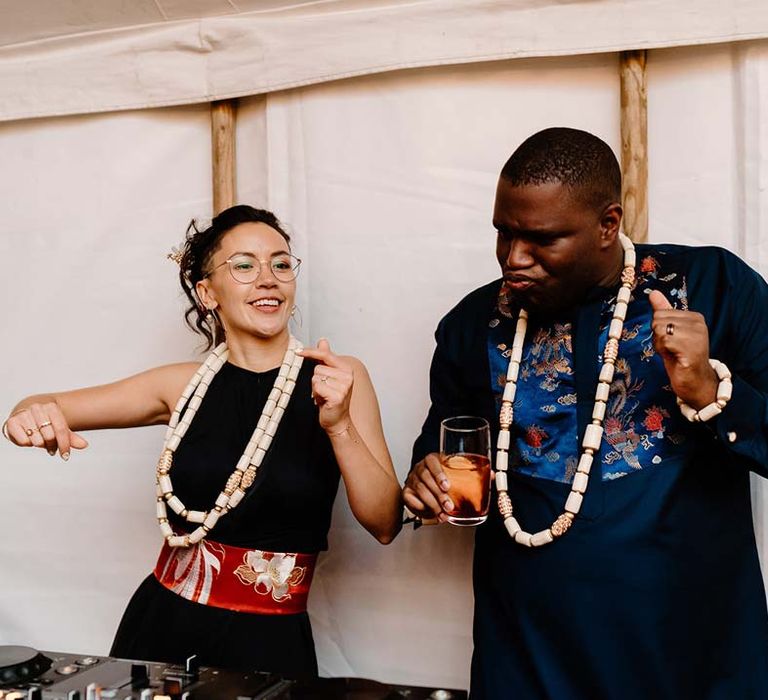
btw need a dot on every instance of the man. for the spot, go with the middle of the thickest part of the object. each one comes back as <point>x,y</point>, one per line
<point>652,588</point>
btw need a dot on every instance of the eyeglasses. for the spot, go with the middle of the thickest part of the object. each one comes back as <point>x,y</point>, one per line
<point>246,268</point>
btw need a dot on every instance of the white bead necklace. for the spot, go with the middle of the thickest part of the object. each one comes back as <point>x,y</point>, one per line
<point>245,471</point>
<point>594,432</point>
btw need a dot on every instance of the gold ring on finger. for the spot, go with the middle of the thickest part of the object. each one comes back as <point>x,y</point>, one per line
<point>45,425</point>
<point>30,431</point>
<point>324,379</point>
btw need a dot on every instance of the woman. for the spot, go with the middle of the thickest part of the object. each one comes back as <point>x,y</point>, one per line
<point>258,436</point>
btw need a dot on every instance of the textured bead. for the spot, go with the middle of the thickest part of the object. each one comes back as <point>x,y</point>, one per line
<point>282,402</point>
<point>620,312</point>
<point>513,371</point>
<point>195,401</point>
<point>502,461</point>
<point>611,350</point>
<point>222,500</point>
<point>580,481</point>
<point>166,530</point>
<point>501,481</point>
<point>196,516</point>
<point>265,442</point>
<point>269,406</point>
<point>274,395</point>
<point>293,373</point>
<point>592,436</point>
<point>509,392</point>
<point>603,392</point>
<point>628,276</point>
<point>247,480</point>
<point>177,541</point>
<point>630,258</point>
<point>233,482</point>
<point>541,538</point>
<point>160,510</point>
<point>506,415</point>
<point>573,504</point>
<point>258,457</point>
<point>503,441</point>
<point>513,527</point>
<point>505,504</point>
<point>165,462</point>
<point>561,525</point>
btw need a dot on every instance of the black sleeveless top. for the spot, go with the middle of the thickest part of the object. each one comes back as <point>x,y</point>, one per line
<point>288,508</point>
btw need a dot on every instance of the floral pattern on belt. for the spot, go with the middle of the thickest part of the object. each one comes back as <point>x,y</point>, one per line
<point>270,573</point>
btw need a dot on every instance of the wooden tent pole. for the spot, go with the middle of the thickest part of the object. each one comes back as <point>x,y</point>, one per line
<point>223,121</point>
<point>634,143</point>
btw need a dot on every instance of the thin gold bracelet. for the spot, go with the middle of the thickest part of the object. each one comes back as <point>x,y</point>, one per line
<point>348,430</point>
<point>342,431</point>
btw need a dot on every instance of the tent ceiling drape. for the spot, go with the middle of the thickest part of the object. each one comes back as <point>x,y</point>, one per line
<point>74,57</point>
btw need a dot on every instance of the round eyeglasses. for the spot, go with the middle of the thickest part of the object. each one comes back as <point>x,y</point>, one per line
<point>246,268</point>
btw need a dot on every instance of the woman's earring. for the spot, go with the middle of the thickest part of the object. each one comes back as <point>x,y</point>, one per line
<point>296,315</point>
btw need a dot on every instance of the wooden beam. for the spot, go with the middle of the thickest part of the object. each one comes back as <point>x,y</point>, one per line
<point>634,143</point>
<point>223,122</point>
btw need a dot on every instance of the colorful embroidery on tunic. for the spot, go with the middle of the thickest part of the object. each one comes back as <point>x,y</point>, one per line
<point>643,425</point>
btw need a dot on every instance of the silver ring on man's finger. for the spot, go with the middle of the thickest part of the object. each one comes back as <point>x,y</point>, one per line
<point>670,329</point>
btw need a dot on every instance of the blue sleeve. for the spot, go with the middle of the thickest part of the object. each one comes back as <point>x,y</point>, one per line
<point>445,392</point>
<point>742,427</point>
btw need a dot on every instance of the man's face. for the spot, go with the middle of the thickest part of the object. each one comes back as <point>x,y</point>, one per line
<point>550,245</point>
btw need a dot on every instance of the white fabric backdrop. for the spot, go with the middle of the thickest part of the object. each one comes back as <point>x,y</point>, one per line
<point>387,182</point>
<point>81,56</point>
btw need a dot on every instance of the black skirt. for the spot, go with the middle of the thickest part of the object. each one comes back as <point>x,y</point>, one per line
<point>159,625</point>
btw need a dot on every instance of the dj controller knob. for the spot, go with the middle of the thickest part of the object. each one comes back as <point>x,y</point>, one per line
<point>35,694</point>
<point>19,664</point>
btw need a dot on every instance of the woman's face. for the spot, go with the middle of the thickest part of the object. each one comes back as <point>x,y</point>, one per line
<point>261,307</point>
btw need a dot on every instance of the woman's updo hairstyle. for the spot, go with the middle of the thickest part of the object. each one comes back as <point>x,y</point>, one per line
<point>199,247</point>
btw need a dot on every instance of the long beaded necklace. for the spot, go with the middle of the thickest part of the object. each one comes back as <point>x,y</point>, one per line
<point>594,432</point>
<point>244,474</point>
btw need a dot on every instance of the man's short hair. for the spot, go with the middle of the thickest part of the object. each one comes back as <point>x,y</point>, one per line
<point>577,159</point>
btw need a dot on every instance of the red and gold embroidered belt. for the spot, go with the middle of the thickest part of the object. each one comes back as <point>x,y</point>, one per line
<point>245,580</point>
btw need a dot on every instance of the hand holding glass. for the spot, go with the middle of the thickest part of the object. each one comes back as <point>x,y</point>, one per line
<point>466,460</point>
